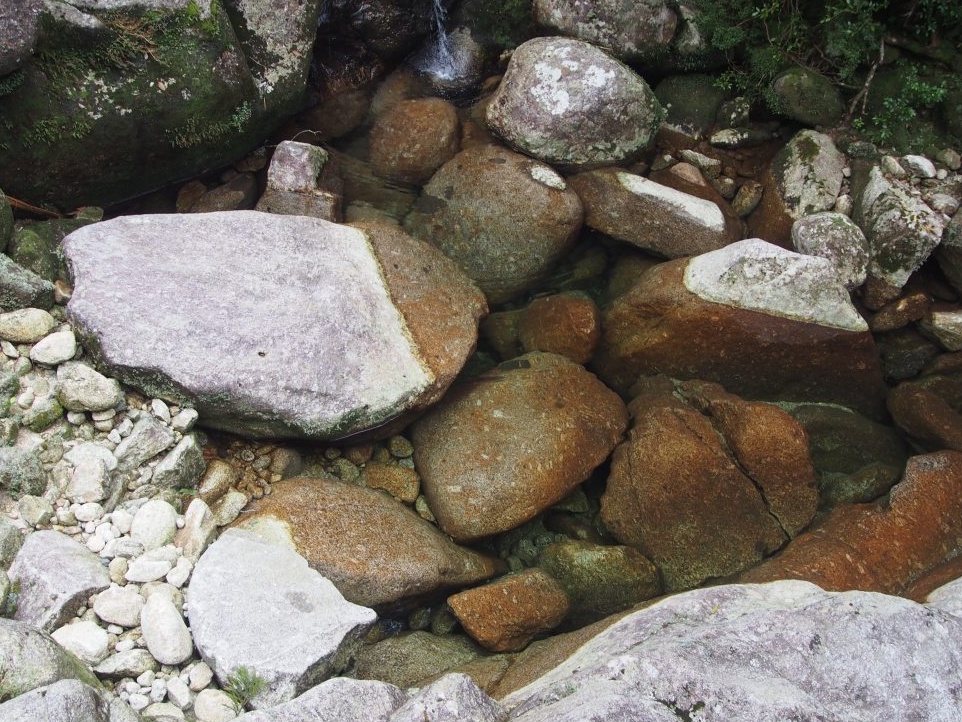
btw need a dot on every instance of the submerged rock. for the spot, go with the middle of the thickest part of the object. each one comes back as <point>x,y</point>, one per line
<point>269,325</point>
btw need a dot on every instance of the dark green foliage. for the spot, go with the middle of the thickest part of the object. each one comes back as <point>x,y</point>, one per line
<point>842,40</point>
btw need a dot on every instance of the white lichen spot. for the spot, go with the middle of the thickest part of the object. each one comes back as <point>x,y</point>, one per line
<point>697,210</point>
<point>598,77</point>
<point>548,91</point>
<point>545,175</point>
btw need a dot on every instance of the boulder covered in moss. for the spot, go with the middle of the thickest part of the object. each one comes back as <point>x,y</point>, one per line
<point>120,100</point>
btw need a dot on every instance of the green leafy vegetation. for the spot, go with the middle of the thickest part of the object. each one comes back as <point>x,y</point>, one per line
<point>243,685</point>
<point>849,42</point>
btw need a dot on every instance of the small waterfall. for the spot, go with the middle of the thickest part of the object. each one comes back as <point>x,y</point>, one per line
<point>442,49</point>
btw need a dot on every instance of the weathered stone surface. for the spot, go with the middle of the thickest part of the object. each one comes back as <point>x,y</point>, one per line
<point>836,237</point>
<point>25,325</point>
<point>357,331</point>
<point>56,575</point>
<point>516,440</point>
<point>21,472</point>
<point>917,527</point>
<point>452,698</point>
<point>503,217</point>
<point>631,31</point>
<point>329,521</point>
<point>81,388</point>
<point>564,101</point>
<point>240,582</point>
<point>707,484</point>
<point>335,700</point>
<point>413,138</point>
<point>64,701</point>
<point>804,177</point>
<point>808,97</point>
<point>652,216</point>
<point>20,288</point>
<point>757,653</point>
<point>507,614</point>
<point>18,35</point>
<point>901,229</point>
<point>30,659</point>
<point>765,323</point>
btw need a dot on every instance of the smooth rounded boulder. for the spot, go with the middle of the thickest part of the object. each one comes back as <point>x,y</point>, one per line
<point>504,218</point>
<point>504,447</point>
<point>272,325</point>
<point>567,102</point>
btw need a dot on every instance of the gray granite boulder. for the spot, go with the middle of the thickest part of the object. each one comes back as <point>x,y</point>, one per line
<point>56,576</point>
<point>804,177</point>
<point>836,237</point>
<point>65,701</point>
<point>18,34</point>
<point>756,653</point>
<point>257,604</point>
<point>271,325</point>
<point>632,31</point>
<point>902,231</point>
<point>567,102</point>
<point>29,659</point>
<point>21,288</point>
<point>336,700</point>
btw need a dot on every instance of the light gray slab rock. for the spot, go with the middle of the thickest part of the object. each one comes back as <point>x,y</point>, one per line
<point>452,698</point>
<point>947,598</point>
<point>164,630</point>
<point>119,605</point>
<point>836,237</point>
<point>761,276</point>
<point>335,700</point>
<point>148,438</point>
<point>213,705</point>
<point>280,325</point>
<point>30,659</point>
<point>88,640</point>
<point>64,701</point>
<point>56,577</point>
<point>198,532</point>
<point>181,467</point>
<point>130,663</point>
<point>240,582</point>
<point>89,482</point>
<point>756,653</point>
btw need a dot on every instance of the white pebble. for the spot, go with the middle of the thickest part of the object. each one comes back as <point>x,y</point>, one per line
<point>179,575</point>
<point>131,687</point>
<point>114,436</point>
<point>178,692</point>
<point>146,678</point>
<point>212,705</point>
<point>125,645</point>
<point>158,690</point>
<point>200,676</point>
<point>96,544</point>
<point>76,418</point>
<point>85,639</point>
<point>159,409</point>
<point>138,701</point>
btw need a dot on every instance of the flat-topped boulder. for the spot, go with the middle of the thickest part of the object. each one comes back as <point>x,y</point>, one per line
<point>272,326</point>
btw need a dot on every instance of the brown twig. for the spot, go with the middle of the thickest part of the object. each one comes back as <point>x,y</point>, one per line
<point>23,206</point>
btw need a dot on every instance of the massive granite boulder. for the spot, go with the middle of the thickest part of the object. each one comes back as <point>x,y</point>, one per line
<point>152,90</point>
<point>269,325</point>
<point>755,653</point>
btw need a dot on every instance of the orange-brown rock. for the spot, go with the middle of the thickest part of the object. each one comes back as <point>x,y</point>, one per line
<point>566,323</point>
<point>399,481</point>
<point>376,551</point>
<point>660,326</point>
<point>412,139</point>
<point>885,546</point>
<point>707,484</point>
<point>927,410</point>
<point>507,614</point>
<point>498,450</point>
